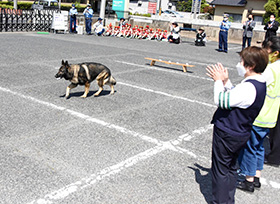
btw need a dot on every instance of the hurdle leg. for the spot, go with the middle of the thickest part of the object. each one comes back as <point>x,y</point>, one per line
<point>153,63</point>
<point>184,68</point>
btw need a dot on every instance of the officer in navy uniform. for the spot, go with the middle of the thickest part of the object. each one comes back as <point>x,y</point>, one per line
<point>223,35</point>
<point>73,12</point>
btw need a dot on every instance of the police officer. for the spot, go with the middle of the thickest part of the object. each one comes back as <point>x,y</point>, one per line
<point>223,35</point>
<point>72,13</point>
<point>88,13</point>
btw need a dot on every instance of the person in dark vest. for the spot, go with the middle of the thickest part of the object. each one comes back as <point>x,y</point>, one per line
<point>248,27</point>
<point>237,109</point>
<point>271,27</point>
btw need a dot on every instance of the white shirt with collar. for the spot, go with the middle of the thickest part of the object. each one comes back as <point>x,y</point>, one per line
<point>242,95</point>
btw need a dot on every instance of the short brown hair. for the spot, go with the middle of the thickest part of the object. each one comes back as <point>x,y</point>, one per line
<point>255,57</point>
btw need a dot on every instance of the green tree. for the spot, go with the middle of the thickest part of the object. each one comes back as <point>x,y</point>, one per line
<point>272,7</point>
<point>186,6</point>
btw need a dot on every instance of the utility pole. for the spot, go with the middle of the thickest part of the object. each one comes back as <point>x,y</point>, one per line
<point>194,8</point>
<point>15,4</point>
<point>102,9</point>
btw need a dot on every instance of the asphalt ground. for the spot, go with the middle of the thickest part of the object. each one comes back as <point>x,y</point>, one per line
<point>150,142</point>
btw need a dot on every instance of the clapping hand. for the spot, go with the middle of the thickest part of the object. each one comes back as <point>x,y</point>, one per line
<point>217,72</point>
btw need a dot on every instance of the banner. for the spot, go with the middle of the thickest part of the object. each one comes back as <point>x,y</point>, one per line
<point>119,7</point>
<point>152,7</point>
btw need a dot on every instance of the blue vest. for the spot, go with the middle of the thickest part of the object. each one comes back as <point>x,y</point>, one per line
<point>238,121</point>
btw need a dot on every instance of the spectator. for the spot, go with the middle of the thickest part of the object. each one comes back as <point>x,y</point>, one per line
<point>248,27</point>
<point>237,109</point>
<point>122,22</point>
<point>200,37</point>
<point>223,34</point>
<point>273,157</point>
<point>73,12</point>
<point>251,159</point>
<point>88,13</point>
<point>98,27</point>
<point>271,27</point>
<point>174,37</point>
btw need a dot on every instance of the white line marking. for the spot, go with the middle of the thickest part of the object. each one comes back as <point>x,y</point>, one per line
<point>164,70</point>
<point>234,48</point>
<point>168,95</point>
<point>115,169</point>
<point>33,99</point>
<point>94,178</point>
<point>109,171</point>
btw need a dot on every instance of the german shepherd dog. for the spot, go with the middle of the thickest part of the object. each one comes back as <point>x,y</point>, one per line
<point>84,74</point>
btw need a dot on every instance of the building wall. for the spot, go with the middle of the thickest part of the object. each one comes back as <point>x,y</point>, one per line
<point>256,5</point>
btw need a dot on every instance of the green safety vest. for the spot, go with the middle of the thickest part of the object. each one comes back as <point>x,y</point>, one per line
<point>268,115</point>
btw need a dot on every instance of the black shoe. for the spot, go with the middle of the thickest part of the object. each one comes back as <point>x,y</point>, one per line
<point>257,183</point>
<point>246,186</point>
<point>270,164</point>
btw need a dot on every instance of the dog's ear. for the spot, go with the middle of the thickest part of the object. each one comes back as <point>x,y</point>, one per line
<point>62,62</point>
<point>66,63</point>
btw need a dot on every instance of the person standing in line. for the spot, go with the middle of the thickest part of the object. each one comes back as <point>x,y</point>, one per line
<point>88,13</point>
<point>237,109</point>
<point>251,159</point>
<point>273,157</point>
<point>271,27</point>
<point>223,34</point>
<point>73,13</point>
<point>248,27</point>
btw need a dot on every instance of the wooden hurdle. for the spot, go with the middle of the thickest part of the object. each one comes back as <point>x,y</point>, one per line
<point>153,61</point>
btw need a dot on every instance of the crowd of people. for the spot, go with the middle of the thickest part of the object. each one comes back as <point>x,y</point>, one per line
<point>127,31</point>
<point>139,32</point>
<point>246,114</point>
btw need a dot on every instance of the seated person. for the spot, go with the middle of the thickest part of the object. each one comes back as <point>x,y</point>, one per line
<point>200,37</point>
<point>174,37</point>
<point>98,27</point>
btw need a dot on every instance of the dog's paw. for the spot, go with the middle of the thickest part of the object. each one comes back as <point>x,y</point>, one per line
<point>83,96</point>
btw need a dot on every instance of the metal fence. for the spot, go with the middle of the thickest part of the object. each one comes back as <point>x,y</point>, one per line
<point>25,20</point>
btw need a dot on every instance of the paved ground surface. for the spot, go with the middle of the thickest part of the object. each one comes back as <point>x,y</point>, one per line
<point>150,142</point>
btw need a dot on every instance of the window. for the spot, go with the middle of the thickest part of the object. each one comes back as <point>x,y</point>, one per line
<point>236,18</point>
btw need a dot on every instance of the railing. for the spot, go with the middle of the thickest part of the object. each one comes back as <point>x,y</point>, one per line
<point>25,20</point>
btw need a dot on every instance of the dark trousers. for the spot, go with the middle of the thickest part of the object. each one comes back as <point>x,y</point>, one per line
<point>72,20</point>
<point>225,150</point>
<point>274,140</point>
<point>176,41</point>
<point>244,42</point>
<point>223,41</point>
<point>88,25</point>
